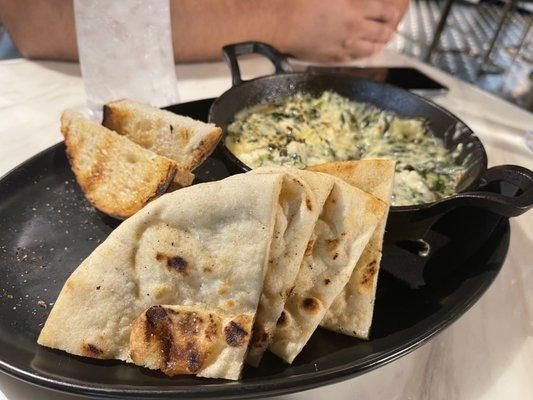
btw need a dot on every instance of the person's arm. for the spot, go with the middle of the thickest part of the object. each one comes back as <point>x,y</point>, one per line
<point>313,29</point>
<point>41,29</point>
<point>337,30</point>
<point>201,27</point>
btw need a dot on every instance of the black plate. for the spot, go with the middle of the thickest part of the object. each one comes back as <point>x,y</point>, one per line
<point>48,228</point>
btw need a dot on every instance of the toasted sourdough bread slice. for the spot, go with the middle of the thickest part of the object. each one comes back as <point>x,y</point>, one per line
<point>295,220</point>
<point>176,286</point>
<point>351,312</point>
<point>186,141</point>
<point>117,176</point>
<point>183,178</point>
<point>348,218</point>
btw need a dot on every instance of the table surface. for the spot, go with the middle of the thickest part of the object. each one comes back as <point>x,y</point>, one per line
<point>486,354</point>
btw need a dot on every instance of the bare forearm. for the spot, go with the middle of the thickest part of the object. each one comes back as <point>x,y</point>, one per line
<point>201,27</point>
<point>41,29</point>
<point>46,29</point>
<point>313,29</point>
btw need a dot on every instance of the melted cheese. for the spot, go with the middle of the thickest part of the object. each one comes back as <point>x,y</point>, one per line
<point>303,130</point>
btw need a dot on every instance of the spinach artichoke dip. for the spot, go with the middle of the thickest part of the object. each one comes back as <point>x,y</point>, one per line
<point>303,130</point>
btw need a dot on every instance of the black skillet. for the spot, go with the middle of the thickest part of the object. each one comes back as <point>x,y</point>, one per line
<point>405,222</point>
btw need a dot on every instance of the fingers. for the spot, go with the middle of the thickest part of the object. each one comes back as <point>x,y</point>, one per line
<point>368,39</point>
<point>366,49</point>
<point>367,27</point>
<point>355,48</point>
<point>381,11</point>
<point>373,31</point>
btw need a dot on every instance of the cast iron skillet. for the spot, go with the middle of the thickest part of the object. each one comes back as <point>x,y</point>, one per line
<point>405,222</point>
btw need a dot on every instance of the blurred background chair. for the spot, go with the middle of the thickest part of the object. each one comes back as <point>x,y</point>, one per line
<point>486,64</point>
<point>486,43</point>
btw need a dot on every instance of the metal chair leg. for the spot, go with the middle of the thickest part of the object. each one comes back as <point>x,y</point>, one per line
<point>523,39</point>
<point>509,5</point>
<point>440,27</point>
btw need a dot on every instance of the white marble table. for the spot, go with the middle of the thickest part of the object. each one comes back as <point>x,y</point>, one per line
<point>487,354</point>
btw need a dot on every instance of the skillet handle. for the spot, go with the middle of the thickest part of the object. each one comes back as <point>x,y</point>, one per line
<point>232,51</point>
<point>490,196</point>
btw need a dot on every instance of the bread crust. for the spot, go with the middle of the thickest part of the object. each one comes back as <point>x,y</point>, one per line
<point>144,124</point>
<point>351,312</point>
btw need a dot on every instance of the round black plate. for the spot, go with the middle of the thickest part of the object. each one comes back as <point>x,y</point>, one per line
<point>48,228</point>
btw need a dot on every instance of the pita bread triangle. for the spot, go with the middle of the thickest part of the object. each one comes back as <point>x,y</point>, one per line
<point>295,222</point>
<point>351,312</point>
<point>176,286</point>
<point>348,218</point>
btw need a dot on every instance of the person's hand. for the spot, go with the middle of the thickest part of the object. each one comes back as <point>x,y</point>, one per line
<point>337,30</point>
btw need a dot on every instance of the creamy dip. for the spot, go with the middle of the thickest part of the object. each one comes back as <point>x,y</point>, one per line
<point>302,130</point>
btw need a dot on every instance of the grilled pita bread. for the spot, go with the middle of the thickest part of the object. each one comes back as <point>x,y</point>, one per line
<point>348,218</point>
<point>182,139</point>
<point>351,312</point>
<point>176,286</point>
<point>295,222</point>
